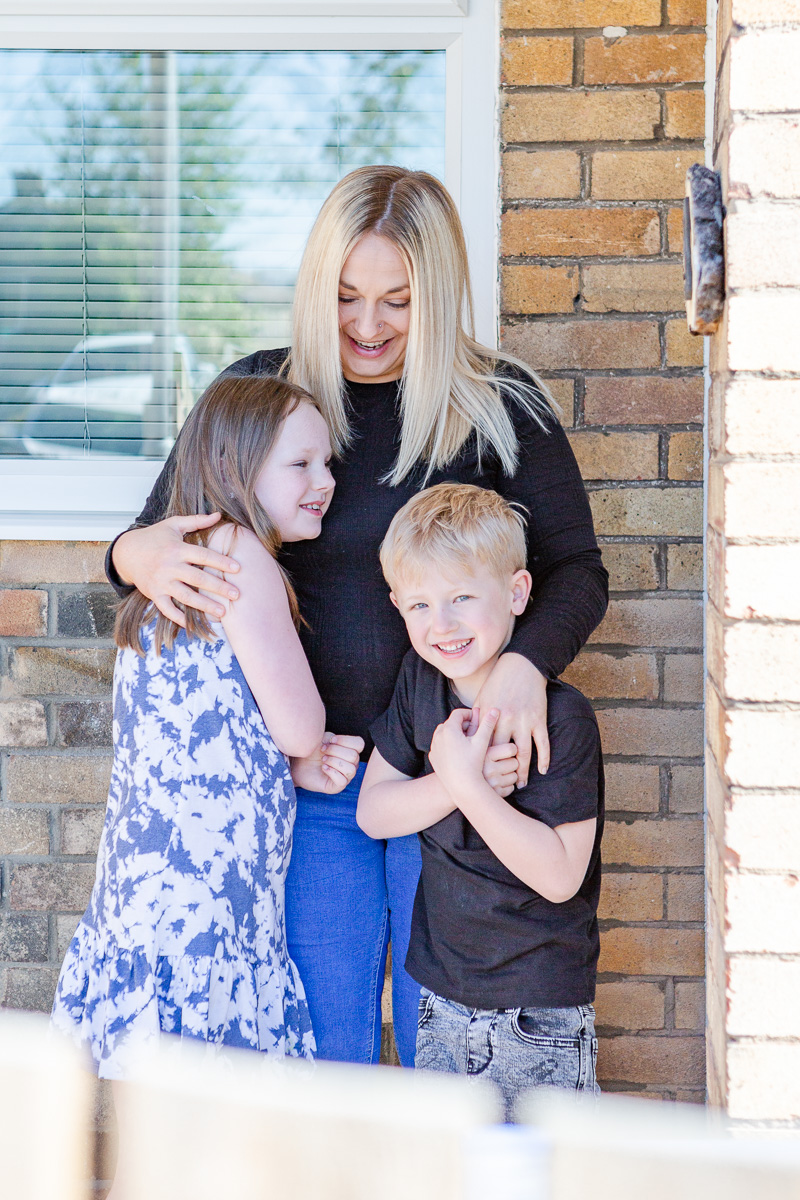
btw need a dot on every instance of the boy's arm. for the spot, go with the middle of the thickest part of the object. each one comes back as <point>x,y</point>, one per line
<point>552,861</point>
<point>391,804</point>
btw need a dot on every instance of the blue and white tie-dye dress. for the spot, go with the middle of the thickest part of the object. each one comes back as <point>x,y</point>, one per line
<point>185,930</point>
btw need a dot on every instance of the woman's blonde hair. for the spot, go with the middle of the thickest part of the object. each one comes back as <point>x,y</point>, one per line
<point>456,524</point>
<point>223,445</point>
<point>450,386</point>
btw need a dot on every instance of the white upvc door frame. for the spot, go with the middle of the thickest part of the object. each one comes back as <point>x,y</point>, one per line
<point>94,499</point>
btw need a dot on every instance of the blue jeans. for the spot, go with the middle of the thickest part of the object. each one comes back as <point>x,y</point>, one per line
<point>515,1048</point>
<point>346,896</point>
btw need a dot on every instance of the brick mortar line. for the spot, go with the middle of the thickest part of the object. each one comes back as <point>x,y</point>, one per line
<point>514,31</point>
<point>632,87</point>
<point>617,144</point>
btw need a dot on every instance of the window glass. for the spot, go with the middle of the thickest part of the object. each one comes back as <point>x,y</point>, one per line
<point>153,208</point>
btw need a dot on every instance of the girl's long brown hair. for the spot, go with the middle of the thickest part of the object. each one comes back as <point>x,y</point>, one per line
<point>222,447</point>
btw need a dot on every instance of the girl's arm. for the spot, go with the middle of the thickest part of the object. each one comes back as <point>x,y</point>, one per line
<point>262,635</point>
<point>552,861</point>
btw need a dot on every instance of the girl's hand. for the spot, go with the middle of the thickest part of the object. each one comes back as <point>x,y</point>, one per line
<point>332,765</point>
<point>501,768</point>
<point>519,691</point>
<point>458,754</point>
<point>165,568</point>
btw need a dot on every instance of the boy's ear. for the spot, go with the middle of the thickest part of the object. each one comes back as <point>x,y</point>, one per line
<point>393,599</point>
<point>521,584</point>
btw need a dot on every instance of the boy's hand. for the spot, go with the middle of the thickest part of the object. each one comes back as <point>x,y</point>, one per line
<point>332,765</point>
<point>501,768</point>
<point>458,756</point>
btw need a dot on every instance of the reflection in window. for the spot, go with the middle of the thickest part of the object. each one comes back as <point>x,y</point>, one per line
<point>153,208</point>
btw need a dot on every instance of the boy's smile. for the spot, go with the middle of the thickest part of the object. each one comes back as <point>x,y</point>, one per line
<point>460,619</point>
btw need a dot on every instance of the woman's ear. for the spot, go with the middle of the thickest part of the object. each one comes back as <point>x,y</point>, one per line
<point>521,584</point>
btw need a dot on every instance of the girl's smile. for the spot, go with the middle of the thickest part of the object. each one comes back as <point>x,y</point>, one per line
<point>295,483</point>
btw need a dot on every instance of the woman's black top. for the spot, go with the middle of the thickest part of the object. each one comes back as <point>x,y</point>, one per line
<point>355,639</point>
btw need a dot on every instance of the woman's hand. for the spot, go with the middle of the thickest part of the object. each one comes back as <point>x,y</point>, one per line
<point>332,765</point>
<point>519,690</point>
<point>165,568</point>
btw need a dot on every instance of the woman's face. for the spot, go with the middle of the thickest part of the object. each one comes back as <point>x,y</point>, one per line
<point>374,300</point>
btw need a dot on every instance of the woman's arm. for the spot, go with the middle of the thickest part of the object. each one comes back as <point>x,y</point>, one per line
<point>262,635</point>
<point>570,587</point>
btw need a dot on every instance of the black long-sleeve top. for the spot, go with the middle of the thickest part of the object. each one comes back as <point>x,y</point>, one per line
<point>355,639</point>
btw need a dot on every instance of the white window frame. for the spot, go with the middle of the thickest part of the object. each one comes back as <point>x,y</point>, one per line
<point>93,499</point>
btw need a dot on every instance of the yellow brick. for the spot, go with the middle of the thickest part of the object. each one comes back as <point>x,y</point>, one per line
<point>52,562</point>
<point>690,1005</point>
<point>658,733</point>
<point>686,456</point>
<point>654,951</point>
<point>580,116</point>
<point>686,12</point>
<point>673,842</point>
<point>562,232</point>
<point>685,568</point>
<point>616,455</point>
<point>534,289</point>
<point>652,58</point>
<point>580,14</point>
<point>683,678</point>
<point>632,787</point>
<point>591,345</point>
<point>537,61</point>
<point>670,512</point>
<point>631,566</point>
<point>686,114</point>
<point>614,677</point>
<point>541,175</point>
<point>633,287</point>
<point>641,174</point>
<point>563,392</point>
<point>675,230</point>
<point>685,894</point>
<point>631,897</point>
<point>625,1004</point>
<point>684,349</point>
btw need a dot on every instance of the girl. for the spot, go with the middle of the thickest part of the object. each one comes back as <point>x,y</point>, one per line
<point>185,930</point>
<point>383,338</point>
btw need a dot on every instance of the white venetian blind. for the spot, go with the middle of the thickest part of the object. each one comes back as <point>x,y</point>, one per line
<point>153,208</point>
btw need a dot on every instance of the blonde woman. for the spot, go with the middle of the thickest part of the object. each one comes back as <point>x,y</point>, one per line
<point>383,341</point>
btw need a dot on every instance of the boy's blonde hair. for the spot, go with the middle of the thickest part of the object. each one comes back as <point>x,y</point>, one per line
<point>454,523</point>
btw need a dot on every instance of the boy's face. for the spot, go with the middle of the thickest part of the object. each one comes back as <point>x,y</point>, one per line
<point>459,620</point>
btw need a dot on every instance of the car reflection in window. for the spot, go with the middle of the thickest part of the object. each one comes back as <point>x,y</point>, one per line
<point>116,395</point>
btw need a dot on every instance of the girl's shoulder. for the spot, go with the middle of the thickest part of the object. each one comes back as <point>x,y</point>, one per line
<point>259,575</point>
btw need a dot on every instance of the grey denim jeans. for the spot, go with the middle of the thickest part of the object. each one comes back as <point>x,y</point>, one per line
<point>514,1048</point>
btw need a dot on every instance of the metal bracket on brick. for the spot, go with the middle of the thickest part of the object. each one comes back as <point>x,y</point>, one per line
<point>703,260</point>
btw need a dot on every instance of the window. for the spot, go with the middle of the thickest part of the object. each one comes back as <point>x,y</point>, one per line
<point>154,201</point>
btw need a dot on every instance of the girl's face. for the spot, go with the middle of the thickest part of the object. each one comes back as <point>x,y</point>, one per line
<point>295,483</point>
<point>374,300</point>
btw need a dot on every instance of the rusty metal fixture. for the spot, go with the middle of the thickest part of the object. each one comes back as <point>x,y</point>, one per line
<point>703,259</point>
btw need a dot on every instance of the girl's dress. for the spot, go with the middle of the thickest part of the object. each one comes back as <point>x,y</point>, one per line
<point>185,929</point>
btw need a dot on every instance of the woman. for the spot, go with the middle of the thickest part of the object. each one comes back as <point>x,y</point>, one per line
<point>411,399</point>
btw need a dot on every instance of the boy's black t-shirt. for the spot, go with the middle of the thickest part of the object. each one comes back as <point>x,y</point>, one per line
<point>479,935</point>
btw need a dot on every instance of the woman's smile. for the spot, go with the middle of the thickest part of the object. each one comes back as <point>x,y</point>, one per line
<point>374,311</point>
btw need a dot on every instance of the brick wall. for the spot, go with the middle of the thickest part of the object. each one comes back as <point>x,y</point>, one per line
<point>56,661</point>
<point>753,723</point>
<point>598,130</point>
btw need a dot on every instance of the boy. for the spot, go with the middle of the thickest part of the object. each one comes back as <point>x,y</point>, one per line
<point>504,934</point>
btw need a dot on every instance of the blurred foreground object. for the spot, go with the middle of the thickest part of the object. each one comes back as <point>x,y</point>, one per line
<point>617,1148</point>
<point>45,1097</point>
<point>246,1127</point>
